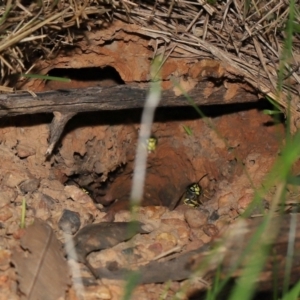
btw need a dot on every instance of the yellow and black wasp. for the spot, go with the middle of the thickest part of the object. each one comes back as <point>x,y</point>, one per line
<point>193,193</point>
<point>151,144</point>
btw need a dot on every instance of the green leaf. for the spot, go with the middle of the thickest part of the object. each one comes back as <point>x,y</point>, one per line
<point>46,77</point>
<point>274,103</point>
<point>23,213</point>
<point>188,130</point>
<point>271,112</point>
<point>293,294</point>
<point>132,282</point>
<point>6,13</point>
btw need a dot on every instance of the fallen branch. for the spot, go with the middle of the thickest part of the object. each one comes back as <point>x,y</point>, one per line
<point>109,98</point>
<point>67,103</point>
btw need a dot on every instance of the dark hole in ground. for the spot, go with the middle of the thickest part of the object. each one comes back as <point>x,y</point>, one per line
<point>92,182</point>
<point>95,76</point>
<point>91,179</point>
<point>162,114</point>
<point>25,121</point>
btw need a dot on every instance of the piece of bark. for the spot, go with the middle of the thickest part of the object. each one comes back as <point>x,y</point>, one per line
<point>56,128</point>
<point>42,270</point>
<point>231,246</point>
<point>112,98</point>
<point>156,272</point>
<point>101,236</point>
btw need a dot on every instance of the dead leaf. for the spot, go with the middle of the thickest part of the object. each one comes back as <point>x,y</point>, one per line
<point>103,235</point>
<point>42,270</point>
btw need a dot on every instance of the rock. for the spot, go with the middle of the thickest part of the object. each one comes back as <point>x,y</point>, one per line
<point>227,200</point>
<point>167,240</point>
<point>14,178</point>
<point>214,216</point>
<point>244,201</point>
<point>4,259</point>
<point>80,196</point>
<point>5,213</point>
<point>24,151</point>
<point>7,195</point>
<point>54,189</point>
<point>198,234</point>
<point>193,245</point>
<point>29,185</point>
<point>196,217</point>
<point>97,292</point>
<point>123,216</point>
<point>19,233</point>
<point>175,214</point>
<point>69,221</point>
<point>153,212</point>
<point>48,201</point>
<point>12,228</point>
<point>177,227</point>
<point>156,248</point>
<point>210,230</point>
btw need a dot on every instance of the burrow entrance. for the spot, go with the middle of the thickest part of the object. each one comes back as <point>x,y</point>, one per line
<point>97,150</point>
<point>97,153</point>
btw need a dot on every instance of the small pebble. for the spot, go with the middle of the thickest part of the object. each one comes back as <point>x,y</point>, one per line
<point>193,245</point>
<point>227,200</point>
<point>29,185</point>
<point>198,234</point>
<point>214,216</point>
<point>210,230</point>
<point>4,259</point>
<point>48,201</point>
<point>5,213</point>
<point>69,221</point>
<point>196,217</point>
<point>97,292</point>
<point>6,196</point>
<point>245,201</point>
<point>24,151</point>
<point>156,248</point>
<point>128,251</point>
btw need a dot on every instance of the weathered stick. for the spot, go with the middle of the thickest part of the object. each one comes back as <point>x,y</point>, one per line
<point>108,98</point>
<point>67,103</point>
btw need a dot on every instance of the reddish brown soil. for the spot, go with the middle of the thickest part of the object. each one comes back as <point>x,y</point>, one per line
<point>100,158</point>
<point>97,153</point>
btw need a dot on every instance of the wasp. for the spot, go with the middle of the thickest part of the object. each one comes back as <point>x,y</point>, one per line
<point>151,144</point>
<point>193,193</point>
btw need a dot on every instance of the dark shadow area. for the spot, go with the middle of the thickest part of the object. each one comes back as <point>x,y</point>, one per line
<point>26,120</point>
<point>162,114</point>
<point>88,74</point>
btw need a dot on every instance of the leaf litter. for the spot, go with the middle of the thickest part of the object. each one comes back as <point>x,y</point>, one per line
<point>41,267</point>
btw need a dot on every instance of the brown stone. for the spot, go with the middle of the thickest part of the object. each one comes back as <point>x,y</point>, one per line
<point>196,217</point>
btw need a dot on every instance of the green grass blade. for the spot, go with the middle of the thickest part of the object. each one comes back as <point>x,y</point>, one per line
<point>23,213</point>
<point>6,13</point>
<point>294,293</point>
<point>46,77</point>
<point>188,130</point>
<point>131,283</point>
